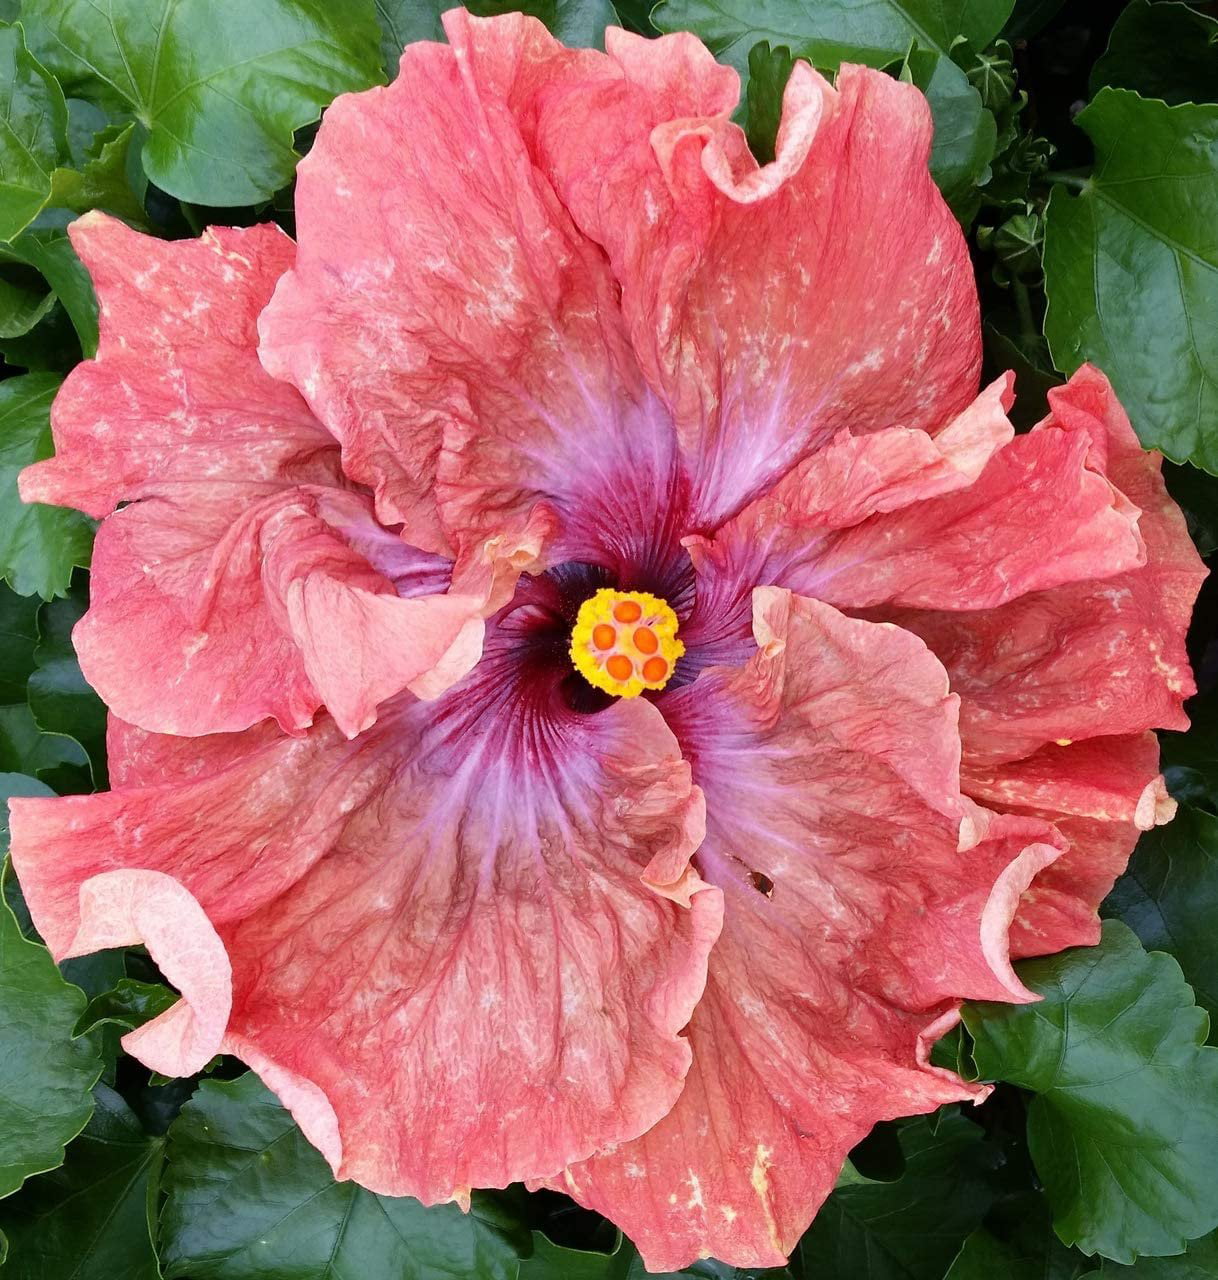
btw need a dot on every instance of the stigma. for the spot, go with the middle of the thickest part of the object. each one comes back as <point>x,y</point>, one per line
<point>625,641</point>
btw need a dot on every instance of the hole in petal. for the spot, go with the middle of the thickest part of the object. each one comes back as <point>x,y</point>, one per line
<point>762,883</point>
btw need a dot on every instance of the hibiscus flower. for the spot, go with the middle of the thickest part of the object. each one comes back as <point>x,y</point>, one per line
<point>593,685</point>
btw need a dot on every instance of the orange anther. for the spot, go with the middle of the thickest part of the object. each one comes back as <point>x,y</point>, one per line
<point>645,640</point>
<point>655,669</point>
<point>625,642</point>
<point>621,668</point>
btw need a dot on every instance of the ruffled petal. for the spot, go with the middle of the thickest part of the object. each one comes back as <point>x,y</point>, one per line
<point>426,918</point>
<point>865,895</point>
<point>1101,794</point>
<point>245,609</point>
<point>763,357</point>
<point>1040,512</point>
<point>1101,656</point>
<point>175,395</point>
<point>444,317</point>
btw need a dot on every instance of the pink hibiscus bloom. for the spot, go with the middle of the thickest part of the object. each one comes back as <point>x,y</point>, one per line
<point>593,685</point>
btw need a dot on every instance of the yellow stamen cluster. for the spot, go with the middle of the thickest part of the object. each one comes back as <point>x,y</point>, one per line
<point>625,641</point>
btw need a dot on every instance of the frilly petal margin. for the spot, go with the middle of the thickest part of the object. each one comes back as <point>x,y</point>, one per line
<point>130,908</point>
<point>250,580</point>
<point>866,897</point>
<point>422,915</point>
<point>175,395</point>
<point>451,326</point>
<point>761,361</point>
<point>1101,655</point>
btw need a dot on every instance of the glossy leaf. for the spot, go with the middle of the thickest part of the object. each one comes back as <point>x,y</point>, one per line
<point>575,22</point>
<point>45,1074</point>
<point>219,85</point>
<point>832,31</point>
<point>1131,269</point>
<point>102,180</point>
<point>39,545</point>
<point>1190,760</point>
<point>912,1228</point>
<point>965,132</point>
<point>1124,1126</point>
<point>59,761</point>
<point>129,1004</point>
<point>22,306</point>
<point>1167,51</point>
<point>1200,1262</point>
<point>33,133</point>
<point>93,1219</point>
<point>1021,1246</point>
<point>60,698</point>
<point>18,640</point>
<point>49,251</point>
<point>1169,897</point>
<point>250,1199</point>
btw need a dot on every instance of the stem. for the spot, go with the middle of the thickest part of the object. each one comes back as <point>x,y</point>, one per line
<point>1029,330</point>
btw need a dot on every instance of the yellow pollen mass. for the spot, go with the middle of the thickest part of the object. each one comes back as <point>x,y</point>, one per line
<point>625,641</point>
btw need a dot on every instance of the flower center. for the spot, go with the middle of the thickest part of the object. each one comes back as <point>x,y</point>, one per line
<point>625,641</point>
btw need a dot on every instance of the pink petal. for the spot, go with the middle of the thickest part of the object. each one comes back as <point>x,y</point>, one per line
<point>1101,794</point>
<point>1041,513</point>
<point>269,607</point>
<point>128,908</point>
<point>429,918</point>
<point>865,895</point>
<point>1104,655</point>
<point>176,395</point>
<point>851,479</point>
<point>760,356</point>
<point>445,318</point>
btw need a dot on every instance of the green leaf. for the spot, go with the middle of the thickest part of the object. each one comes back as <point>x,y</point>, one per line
<point>94,1218</point>
<point>1028,1250</point>
<point>128,1005</point>
<point>24,748</point>
<point>578,23</point>
<point>832,31</point>
<point>1190,760</point>
<point>49,250</point>
<point>550,1261</point>
<point>39,545</point>
<point>1006,347</point>
<point>22,306</point>
<point>1029,17</point>
<point>102,181</point>
<point>220,86</point>
<point>1169,897</point>
<point>1166,51</point>
<point>1131,269</point>
<point>1199,1263</point>
<point>18,639</point>
<point>60,698</point>
<point>769,71</point>
<point>250,1199</point>
<point>1197,493</point>
<point>33,133</point>
<point>45,1074</point>
<point>1124,1126</point>
<point>912,1228</point>
<point>965,132</point>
